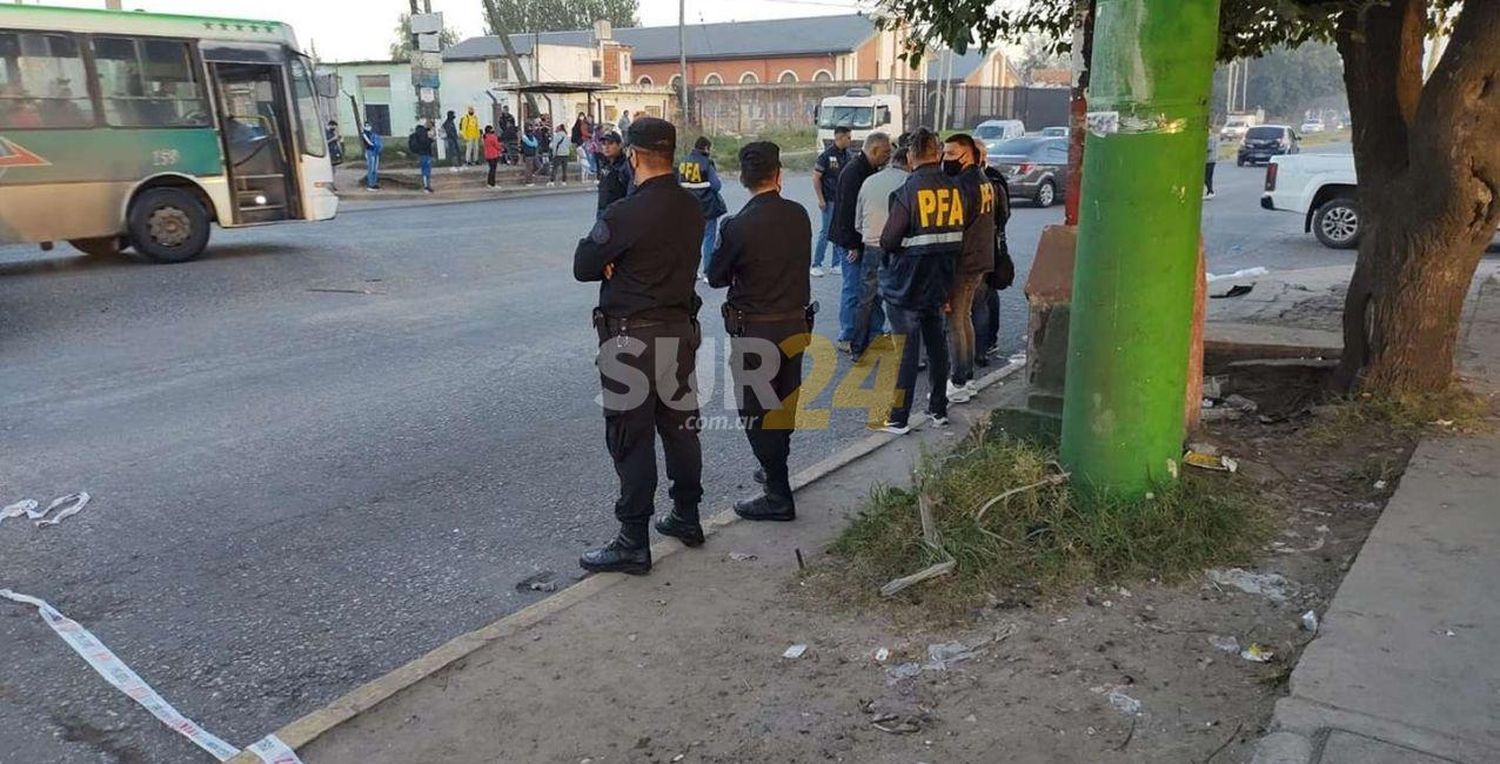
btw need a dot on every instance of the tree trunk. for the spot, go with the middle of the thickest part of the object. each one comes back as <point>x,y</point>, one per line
<point>1429,170</point>
<point>510,52</point>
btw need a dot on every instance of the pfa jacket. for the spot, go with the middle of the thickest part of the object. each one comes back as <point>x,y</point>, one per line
<point>923,239</point>
<point>697,173</point>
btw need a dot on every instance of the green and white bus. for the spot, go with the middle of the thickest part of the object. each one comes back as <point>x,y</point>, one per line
<point>127,129</point>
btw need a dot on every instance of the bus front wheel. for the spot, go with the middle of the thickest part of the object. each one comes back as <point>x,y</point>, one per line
<point>168,225</point>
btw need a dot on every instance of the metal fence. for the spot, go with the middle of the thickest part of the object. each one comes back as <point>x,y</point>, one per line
<point>759,108</point>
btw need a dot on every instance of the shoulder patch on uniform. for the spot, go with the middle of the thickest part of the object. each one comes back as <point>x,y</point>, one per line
<point>601,233</point>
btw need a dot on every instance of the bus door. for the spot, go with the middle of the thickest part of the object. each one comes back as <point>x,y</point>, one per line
<point>256,122</point>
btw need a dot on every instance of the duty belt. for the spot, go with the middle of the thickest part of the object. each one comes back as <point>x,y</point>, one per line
<point>799,314</point>
<point>620,328</point>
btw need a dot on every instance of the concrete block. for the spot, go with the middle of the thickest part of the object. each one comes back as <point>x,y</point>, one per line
<point>1283,748</point>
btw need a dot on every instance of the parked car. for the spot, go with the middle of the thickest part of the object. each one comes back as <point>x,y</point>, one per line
<point>1236,125</point>
<point>1322,188</point>
<point>1313,126</point>
<point>1035,167</point>
<point>994,131</point>
<point>1054,132</point>
<point>1265,141</point>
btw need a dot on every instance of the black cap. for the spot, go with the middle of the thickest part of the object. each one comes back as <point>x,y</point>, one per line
<point>760,157</point>
<point>652,134</point>
<point>611,137</point>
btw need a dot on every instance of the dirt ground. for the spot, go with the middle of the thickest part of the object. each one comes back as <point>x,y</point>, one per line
<point>1129,673</point>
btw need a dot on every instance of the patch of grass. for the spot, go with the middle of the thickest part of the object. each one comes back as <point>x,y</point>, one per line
<point>1453,411</point>
<point>1048,538</point>
<point>799,148</point>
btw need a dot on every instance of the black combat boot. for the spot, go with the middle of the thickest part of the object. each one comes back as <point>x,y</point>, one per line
<point>682,524</point>
<point>759,476</point>
<point>629,552</point>
<point>774,505</point>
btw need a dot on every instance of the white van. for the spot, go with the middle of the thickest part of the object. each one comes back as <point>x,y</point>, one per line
<point>862,113</point>
<point>993,132</point>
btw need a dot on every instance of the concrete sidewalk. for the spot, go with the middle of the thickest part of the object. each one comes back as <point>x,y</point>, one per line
<point>1404,669</point>
<point>623,653</point>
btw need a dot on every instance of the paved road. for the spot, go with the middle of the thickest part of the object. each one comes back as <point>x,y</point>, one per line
<point>297,490</point>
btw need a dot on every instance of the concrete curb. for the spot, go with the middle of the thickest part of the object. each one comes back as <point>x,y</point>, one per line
<point>308,728</point>
<point>355,201</point>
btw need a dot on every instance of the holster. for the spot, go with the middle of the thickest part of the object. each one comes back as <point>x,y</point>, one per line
<point>734,320</point>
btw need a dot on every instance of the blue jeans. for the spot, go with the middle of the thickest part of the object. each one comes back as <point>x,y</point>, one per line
<point>372,168</point>
<point>822,249</point>
<point>859,300</point>
<point>425,160</point>
<point>710,243</point>
<point>923,329</point>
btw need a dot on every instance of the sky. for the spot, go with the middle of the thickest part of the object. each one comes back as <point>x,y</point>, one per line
<point>348,30</point>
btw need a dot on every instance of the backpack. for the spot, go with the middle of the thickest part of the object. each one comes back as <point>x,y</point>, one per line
<point>411,144</point>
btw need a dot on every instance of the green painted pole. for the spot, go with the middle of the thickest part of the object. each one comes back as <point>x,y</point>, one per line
<point>1138,233</point>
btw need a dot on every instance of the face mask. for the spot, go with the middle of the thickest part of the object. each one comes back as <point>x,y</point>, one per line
<point>952,167</point>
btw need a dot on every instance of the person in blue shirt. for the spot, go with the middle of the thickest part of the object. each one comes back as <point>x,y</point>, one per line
<point>698,174</point>
<point>826,185</point>
<point>373,144</point>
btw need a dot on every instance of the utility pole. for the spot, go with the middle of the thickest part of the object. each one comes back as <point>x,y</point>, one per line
<point>682,58</point>
<point>1137,260</point>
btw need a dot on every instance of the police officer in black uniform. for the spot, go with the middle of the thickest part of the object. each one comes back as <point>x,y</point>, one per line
<point>763,257</point>
<point>922,239</point>
<point>614,172</point>
<point>644,250</point>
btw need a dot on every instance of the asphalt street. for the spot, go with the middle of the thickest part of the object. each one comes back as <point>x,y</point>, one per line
<point>325,449</point>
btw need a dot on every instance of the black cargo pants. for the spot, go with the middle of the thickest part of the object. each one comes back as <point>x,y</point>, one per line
<point>766,363</point>
<point>647,377</point>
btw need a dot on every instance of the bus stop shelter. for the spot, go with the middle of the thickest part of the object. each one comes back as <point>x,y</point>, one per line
<point>549,89</point>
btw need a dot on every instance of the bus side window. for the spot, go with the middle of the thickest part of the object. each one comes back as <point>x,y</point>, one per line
<point>149,83</point>
<point>43,82</point>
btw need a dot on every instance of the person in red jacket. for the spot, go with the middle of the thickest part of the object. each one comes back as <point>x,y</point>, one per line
<point>492,151</point>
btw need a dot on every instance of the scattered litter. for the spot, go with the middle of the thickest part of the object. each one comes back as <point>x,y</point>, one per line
<point>1380,485</point>
<point>882,655</point>
<point>631,638</point>
<point>795,651</point>
<point>121,677</point>
<point>1311,511</point>
<point>940,657</point>
<point>1257,653</point>
<point>1204,448</point>
<point>971,718</point>
<point>1124,703</point>
<point>1019,357</point>
<point>1213,387</point>
<point>903,671</point>
<point>540,581</point>
<point>897,727</point>
<point>1224,644</point>
<point>1444,423</point>
<point>679,757</point>
<point>1444,632</point>
<point>1238,290</point>
<point>1240,274</point>
<point>742,557</point>
<point>1241,403</point>
<point>23,507</point>
<point>1216,462</point>
<point>1310,622</point>
<point>1271,585</point>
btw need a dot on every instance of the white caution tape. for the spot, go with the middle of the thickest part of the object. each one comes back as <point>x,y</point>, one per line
<point>78,502</point>
<point>72,504</point>
<point>27,507</point>
<point>108,665</point>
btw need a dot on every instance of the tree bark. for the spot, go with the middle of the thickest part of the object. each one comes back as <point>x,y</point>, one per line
<point>510,52</point>
<point>1429,169</point>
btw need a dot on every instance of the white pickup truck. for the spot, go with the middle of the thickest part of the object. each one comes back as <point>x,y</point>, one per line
<point>1322,188</point>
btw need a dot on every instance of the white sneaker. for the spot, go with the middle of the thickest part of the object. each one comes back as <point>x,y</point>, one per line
<point>1209,196</point>
<point>550,184</point>
<point>958,394</point>
<point>816,271</point>
<point>938,421</point>
<point>895,429</point>
<point>836,270</point>
<point>972,386</point>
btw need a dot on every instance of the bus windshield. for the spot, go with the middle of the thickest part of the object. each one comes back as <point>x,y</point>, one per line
<point>857,117</point>
<point>306,95</point>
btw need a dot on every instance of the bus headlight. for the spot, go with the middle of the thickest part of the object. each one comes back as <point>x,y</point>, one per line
<point>260,200</point>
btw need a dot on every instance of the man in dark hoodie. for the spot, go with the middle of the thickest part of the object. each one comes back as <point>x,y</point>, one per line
<point>923,239</point>
<point>450,140</point>
<point>857,299</point>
